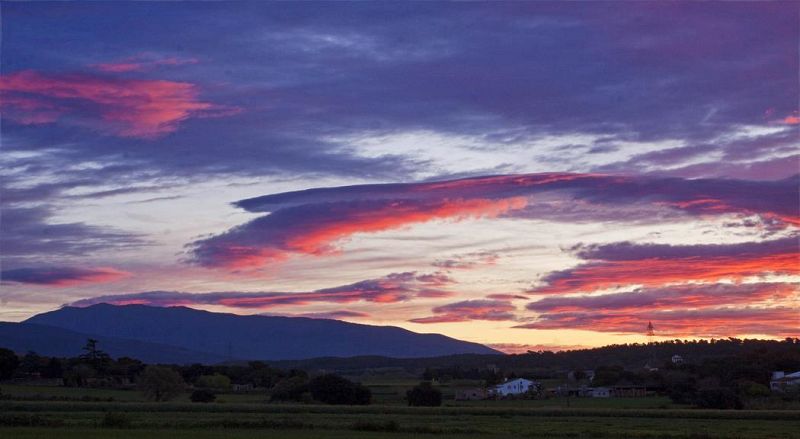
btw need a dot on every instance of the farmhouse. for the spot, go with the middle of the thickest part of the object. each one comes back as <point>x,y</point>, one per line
<point>781,381</point>
<point>601,392</point>
<point>514,387</point>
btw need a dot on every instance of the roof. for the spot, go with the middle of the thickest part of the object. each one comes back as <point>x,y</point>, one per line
<point>789,377</point>
<point>514,381</point>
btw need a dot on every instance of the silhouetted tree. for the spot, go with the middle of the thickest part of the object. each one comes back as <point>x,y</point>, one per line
<point>424,395</point>
<point>161,383</point>
<point>333,389</point>
<point>290,389</point>
<point>8,363</point>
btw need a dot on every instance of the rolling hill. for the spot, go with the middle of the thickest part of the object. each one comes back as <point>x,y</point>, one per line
<point>251,337</point>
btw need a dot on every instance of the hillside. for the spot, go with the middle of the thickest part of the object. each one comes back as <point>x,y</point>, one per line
<point>58,342</point>
<point>252,337</point>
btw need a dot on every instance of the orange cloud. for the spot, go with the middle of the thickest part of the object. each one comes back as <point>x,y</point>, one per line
<point>717,322</point>
<point>318,232</point>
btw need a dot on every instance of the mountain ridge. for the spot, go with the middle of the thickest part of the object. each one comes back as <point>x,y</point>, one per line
<point>252,337</point>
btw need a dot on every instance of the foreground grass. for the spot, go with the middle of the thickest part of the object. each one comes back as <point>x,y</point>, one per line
<point>174,420</point>
<point>85,413</point>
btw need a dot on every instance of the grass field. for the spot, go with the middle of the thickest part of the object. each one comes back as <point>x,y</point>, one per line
<point>30,415</point>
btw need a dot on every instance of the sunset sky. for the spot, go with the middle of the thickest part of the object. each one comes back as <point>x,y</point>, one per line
<point>527,175</point>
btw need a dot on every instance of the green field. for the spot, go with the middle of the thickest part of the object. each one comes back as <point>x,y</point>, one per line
<point>31,412</point>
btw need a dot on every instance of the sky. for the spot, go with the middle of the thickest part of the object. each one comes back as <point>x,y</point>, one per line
<point>527,175</point>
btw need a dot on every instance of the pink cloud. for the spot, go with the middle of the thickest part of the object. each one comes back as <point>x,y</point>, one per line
<point>141,108</point>
<point>142,63</point>
<point>495,310</point>
<point>521,348</point>
<point>317,221</point>
<point>621,264</point>
<point>707,322</point>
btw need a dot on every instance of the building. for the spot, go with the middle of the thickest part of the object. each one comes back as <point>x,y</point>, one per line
<point>600,392</point>
<point>514,387</point>
<point>471,394</point>
<point>677,359</point>
<point>780,381</point>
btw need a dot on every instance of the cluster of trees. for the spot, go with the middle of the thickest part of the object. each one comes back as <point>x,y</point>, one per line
<point>328,388</point>
<point>729,382</point>
<point>725,382</point>
<point>95,368</point>
<point>455,372</point>
<point>424,395</point>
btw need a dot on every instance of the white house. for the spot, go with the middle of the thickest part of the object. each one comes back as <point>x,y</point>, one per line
<point>677,359</point>
<point>514,387</point>
<point>781,380</point>
<point>601,392</point>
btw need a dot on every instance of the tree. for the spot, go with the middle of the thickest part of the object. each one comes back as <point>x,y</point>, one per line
<point>217,382</point>
<point>424,395</point>
<point>96,358</point>
<point>8,363</point>
<point>290,389</point>
<point>161,383</point>
<point>333,389</point>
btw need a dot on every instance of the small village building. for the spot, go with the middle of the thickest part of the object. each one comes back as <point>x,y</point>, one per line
<point>474,394</point>
<point>629,391</point>
<point>600,392</point>
<point>514,387</point>
<point>242,387</point>
<point>677,359</point>
<point>781,381</point>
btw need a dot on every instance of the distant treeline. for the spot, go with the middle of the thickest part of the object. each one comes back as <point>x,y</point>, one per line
<point>95,368</point>
<point>546,363</point>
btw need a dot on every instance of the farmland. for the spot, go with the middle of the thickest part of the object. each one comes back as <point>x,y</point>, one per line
<point>46,412</point>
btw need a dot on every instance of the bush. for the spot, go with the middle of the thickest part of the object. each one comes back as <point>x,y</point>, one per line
<point>203,395</point>
<point>161,383</point>
<point>424,395</point>
<point>718,398</point>
<point>115,420</point>
<point>333,389</point>
<point>290,389</point>
<point>217,382</point>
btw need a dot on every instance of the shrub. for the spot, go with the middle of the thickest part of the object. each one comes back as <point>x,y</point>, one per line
<point>333,389</point>
<point>217,382</point>
<point>718,398</point>
<point>424,395</point>
<point>161,383</point>
<point>203,395</point>
<point>289,389</point>
<point>115,420</point>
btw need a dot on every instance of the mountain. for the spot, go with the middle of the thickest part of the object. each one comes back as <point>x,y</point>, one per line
<point>58,342</point>
<point>252,337</point>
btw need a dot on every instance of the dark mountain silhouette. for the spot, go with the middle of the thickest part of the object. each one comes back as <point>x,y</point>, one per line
<point>252,337</point>
<point>58,342</point>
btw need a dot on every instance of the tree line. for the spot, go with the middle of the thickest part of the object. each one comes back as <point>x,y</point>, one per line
<point>95,368</point>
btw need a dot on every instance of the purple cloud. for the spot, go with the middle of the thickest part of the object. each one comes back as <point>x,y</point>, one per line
<point>313,221</point>
<point>62,276</point>
<point>395,287</point>
<point>494,310</point>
